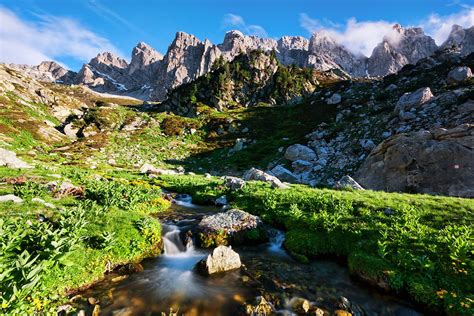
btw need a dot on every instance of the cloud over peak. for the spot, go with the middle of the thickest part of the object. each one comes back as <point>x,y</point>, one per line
<point>362,36</point>
<point>236,21</point>
<point>48,38</point>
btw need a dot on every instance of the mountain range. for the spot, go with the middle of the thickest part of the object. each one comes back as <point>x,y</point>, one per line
<point>151,75</point>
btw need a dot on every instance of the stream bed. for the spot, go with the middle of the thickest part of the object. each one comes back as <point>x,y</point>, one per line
<point>169,282</point>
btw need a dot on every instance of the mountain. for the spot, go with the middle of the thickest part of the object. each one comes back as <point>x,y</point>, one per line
<point>461,39</point>
<point>405,46</point>
<point>151,75</point>
<point>47,71</point>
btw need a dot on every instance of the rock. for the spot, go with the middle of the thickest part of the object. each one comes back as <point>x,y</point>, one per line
<point>367,144</point>
<point>10,160</point>
<point>439,161</point>
<point>41,201</point>
<point>231,227</point>
<point>92,301</point>
<point>207,175</point>
<point>261,307</point>
<point>340,312</point>
<point>459,74</point>
<point>221,259</point>
<point>221,201</point>
<point>71,131</point>
<point>96,311</point>
<point>10,198</point>
<point>259,175</point>
<point>150,169</point>
<point>300,152</point>
<point>348,182</point>
<point>300,166</point>
<point>64,310</point>
<point>234,183</point>
<point>284,174</point>
<point>414,99</point>
<point>334,99</point>
<point>300,305</point>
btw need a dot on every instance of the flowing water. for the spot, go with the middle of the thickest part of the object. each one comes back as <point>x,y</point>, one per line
<point>170,282</point>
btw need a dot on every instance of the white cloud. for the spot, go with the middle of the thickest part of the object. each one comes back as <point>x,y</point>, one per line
<point>362,36</point>
<point>49,38</point>
<point>439,26</point>
<point>236,21</point>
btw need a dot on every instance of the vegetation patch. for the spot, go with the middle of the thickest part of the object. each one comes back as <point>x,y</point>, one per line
<point>394,241</point>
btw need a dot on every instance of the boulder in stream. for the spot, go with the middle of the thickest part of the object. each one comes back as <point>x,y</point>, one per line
<point>231,227</point>
<point>222,259</point>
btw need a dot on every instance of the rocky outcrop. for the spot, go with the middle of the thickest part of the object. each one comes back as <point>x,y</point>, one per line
<point>293,50</point>
<point>404,46</point>
<point>144,64</point>
<point>236,43</point>
<point>47,71</point>
<point>221,259</point>
<point>232,227</point>
<point>440,161</point>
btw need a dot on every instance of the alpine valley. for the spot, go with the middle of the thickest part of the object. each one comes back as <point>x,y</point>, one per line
<point>252,177</point>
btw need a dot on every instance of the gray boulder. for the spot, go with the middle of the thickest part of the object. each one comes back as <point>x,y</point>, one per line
<point>348,182</point>
<point>459,74</point>
<point>222,259</point>
<point>231,227</point>
<point>334,99</point>
<point>414,99</point>
<point>234,183</point>
<point>299,152</point>
<point>284,174</point>
<point>10,160</point>
<point>259,175</point>
<point>10,198</point>
<point>439,161</point>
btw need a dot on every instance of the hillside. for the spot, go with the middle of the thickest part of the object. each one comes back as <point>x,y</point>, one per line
<point>86,180</point>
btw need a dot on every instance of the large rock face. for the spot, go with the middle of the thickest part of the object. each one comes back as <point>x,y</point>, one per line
<point>151,75</point>
<point>440,161</point>
<point>405,46</point>
<point>325,54</point>
<point>293,50</point>
<point>47,71</point>
<point>187,58</point>
<point>461,39</point>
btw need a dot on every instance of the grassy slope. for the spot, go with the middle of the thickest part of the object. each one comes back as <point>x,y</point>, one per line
<point>78,242</point>
<point>418,244</point>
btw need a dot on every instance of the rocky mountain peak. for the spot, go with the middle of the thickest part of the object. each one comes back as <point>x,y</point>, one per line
<point>402,47</point>
<point>109,59</point>
<point>461,39</point>
<point>145,59</point>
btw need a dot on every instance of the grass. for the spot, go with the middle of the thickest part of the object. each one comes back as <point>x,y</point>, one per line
<point>46,252</point>
<point>419,245</point>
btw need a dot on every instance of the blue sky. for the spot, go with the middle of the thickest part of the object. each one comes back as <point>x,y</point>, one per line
<point>74,31</point>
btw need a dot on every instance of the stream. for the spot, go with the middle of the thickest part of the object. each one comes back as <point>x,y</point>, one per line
<point>170,282</point>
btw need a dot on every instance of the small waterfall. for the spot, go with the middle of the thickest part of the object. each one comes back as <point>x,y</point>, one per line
<point>173,244</point>
<point>277,237</point>
<point>184,200</point>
